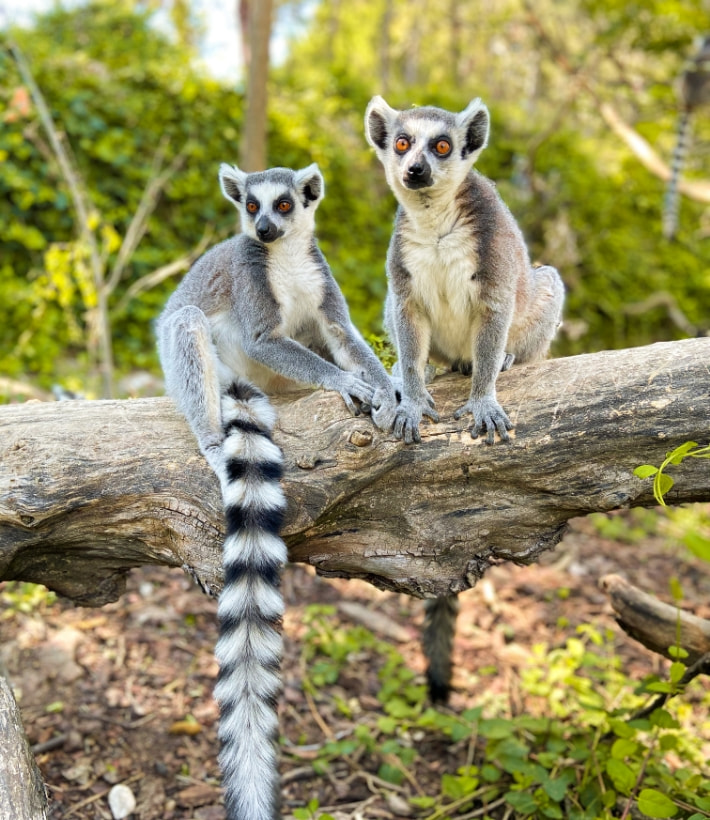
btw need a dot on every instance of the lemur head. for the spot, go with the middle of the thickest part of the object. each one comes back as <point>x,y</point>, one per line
<point>426,148</point>
<point>274,203</point>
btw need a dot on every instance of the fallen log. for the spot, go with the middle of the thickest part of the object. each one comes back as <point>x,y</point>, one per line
<point>658,626</point>
<point>89,489</point>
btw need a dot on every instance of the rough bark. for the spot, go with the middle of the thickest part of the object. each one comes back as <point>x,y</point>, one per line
<point>90,489</point>
<point>658,626</point>
<point>22,792</point>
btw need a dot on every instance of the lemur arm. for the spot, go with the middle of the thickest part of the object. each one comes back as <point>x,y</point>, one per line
<point>412,332</point>
<point>351,352</point>
<point>488,354</point>
<point>295,361</point>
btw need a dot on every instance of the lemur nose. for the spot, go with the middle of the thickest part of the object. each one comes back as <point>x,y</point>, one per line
<point>415,170</point>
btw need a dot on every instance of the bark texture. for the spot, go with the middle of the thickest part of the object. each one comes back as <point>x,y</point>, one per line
<point>89,489</point>
<point>22,792</point>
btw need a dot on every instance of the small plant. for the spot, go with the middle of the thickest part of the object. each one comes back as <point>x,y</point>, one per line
<point>574,754</point>
<point>662,482</point>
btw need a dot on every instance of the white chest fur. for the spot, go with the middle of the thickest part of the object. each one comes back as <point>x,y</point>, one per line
<point>441,256</point>
<point>296,282</point>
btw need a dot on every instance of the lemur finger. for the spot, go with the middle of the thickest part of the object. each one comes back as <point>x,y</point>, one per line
<point>350,404</point>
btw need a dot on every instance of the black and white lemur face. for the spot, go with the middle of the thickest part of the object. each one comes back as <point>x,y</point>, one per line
<point>426,148</point>
<point>275,203</point>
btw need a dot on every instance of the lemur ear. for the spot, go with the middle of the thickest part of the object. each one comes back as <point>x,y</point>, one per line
<point>309,183</point>
<point>232,181</point>
<point>474,120</point>
<point>378,117</point>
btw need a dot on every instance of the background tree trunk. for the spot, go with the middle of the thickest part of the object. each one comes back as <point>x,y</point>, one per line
<point>90,489</point>
<point>253,156</point>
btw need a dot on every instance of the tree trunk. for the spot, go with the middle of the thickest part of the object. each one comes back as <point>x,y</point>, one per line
<point>22,792</point>
<point>253,148</point>
<point>89,489</point>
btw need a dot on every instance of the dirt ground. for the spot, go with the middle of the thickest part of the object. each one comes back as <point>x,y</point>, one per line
<point>123,694</point>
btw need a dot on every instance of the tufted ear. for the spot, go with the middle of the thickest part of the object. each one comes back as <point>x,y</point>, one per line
<point>232,182</point>
<point>378,120</point>
<point>310,185</point>
<point>474,121</point>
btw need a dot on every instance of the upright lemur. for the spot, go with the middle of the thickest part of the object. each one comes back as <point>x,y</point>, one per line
<point>461,289</point>
<point>260,311</point>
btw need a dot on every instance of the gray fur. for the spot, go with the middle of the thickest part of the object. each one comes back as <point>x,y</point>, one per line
<point>260,310</point>
<point>461,289</point>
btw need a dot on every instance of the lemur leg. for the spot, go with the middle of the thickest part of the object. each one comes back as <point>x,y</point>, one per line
<point>191,368</point>
<point>532,333</point>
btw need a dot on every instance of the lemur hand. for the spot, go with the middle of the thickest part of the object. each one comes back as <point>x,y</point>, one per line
<point>409,415</point>
<point>488,416</point>
<point>351,387</point>
<point>384,407</point>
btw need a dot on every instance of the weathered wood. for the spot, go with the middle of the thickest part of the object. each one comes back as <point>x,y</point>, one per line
<point>22,792</point>
<point>655,624</point>
<point>89,489</point>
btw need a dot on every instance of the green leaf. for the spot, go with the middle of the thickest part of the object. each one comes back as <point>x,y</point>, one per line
<point>645,471</point>
<point>656,804</point>
<point>622,748</point>
<point>521,801</point>
<point>677,671</point>
<point>664,484</point>
<point>621,775</point>
<point>495,728</point>
<point>697,544</point>
<point>676,456</point>
<point>664,720</point>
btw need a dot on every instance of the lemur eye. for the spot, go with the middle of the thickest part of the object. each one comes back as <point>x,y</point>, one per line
<point>442,147</point>
<point>402,144</point>
<point>284,206</point>
<point>252,207</point>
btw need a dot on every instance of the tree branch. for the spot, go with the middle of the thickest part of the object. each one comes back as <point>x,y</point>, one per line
<point>90,489</point>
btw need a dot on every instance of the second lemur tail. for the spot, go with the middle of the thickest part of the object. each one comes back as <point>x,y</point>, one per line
<point>437,643</point>
<point>250,608</point>
<point>671,198</point>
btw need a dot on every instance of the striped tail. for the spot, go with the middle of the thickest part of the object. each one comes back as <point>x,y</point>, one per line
<point>671,198</point>
<point>437,643</point>
<point>250,608</point>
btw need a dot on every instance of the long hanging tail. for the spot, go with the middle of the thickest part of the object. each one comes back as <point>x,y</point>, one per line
<point>671,198</point>
<point>437,643</point>
<point>250,608</point>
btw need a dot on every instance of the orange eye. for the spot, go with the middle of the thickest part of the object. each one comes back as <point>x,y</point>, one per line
<point>442,147</point>
<point>252,207</point>
<point>284,206</point>
<point>402,144</point>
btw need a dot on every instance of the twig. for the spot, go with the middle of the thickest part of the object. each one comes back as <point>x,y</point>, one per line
<point>700,667</point>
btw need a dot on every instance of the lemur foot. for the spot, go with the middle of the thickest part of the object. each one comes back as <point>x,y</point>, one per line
<point>384,408</point>
<point>409,416</point>
<point>398,386</point>
<point>488,417</point>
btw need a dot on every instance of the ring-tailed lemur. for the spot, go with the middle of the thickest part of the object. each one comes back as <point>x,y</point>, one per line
<point>260,311</point>
<point>461,289</point>
<point>694,91</point>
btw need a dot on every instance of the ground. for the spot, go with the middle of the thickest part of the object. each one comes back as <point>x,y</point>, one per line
<point>123,694</point>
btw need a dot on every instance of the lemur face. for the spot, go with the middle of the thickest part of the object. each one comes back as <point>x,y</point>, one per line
<point>273,204</point>
<point>426,148</point>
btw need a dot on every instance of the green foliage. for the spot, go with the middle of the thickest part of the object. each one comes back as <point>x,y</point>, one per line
<point>20,596</point>
<point>120,89</point>
<point>574,754</point>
